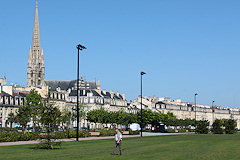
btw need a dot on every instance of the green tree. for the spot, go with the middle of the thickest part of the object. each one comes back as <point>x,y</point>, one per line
<point>158,117</point>
<point>34,101</point>
<point>82,113</point>
<point>112,117</point>
<point>23,116</point>
<point>217,127</point>
<point>66,118</point>
<point>11,119</point>
<point>50,118</point>
<point>98,116</point>
<point>189,122</point>
<point>103,116</point>
<point>126,119</point>
<point>147,117</point>
<point>202,127</point>
<point>230,126</point>
<point>170,119</point>
<point>92,116</point>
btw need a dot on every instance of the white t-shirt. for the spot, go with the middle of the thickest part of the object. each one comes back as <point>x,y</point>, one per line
<point>118,136</point>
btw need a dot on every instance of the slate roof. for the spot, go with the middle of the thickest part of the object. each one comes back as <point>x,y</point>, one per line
<point>160,102</point>
<point>74,92</point>
<point>23,94</point>
<point>4,94</point>
<point>66,84</point>
<point>95,93</point>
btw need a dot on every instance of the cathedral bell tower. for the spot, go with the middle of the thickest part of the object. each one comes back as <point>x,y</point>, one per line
<point>35,69</point>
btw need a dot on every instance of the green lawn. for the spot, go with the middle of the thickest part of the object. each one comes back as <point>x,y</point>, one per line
<point>202,147</point>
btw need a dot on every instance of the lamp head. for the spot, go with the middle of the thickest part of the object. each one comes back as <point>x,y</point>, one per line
<point>81,47</point>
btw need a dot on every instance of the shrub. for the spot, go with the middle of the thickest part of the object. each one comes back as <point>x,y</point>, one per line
<point>182,130</point>
<point>190,130</point>
<point>133,132</point>
<point>8,129</point>
<point>17,136</point>
<point>83,134</point>
<point>46,144</point>
<point>169,130</point>
<point>60,135</point>
<point>107,133</point>
<point>72,134</point>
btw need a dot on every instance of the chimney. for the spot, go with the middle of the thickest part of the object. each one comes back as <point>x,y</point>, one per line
<point>124,97</point>
<point>104,91</point>
<point>117,93</point>
<point>111,93</point>
<point>4,81</point>
<point>98,84</point>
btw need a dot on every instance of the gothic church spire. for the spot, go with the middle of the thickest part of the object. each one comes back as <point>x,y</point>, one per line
<point>35,70</point>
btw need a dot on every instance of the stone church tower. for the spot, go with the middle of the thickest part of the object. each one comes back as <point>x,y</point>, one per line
<point>35,69</point>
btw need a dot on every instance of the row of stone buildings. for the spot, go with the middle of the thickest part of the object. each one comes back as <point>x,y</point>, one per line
<point>64,95</point>
<point>185,110</point>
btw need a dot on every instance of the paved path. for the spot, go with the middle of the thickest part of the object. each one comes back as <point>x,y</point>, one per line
<point>89,138</point>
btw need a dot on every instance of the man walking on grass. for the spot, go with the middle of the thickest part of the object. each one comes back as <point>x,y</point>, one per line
<point>118,139</point>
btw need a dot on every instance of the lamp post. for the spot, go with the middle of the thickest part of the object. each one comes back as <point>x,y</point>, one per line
<point>79,47</point>
<point>212,103</point>
<point>142,73</point>
<point>212,111</point>
<point>195,99</point>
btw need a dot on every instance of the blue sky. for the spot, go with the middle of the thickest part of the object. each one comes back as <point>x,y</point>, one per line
<point>184,46</point>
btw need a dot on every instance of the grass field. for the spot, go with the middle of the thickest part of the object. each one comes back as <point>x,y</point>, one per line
<point>202,147</point>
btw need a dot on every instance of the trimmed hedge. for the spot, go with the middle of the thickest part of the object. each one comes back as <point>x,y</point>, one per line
<point>133,132</point>
<point>17,136</point>
<point>169,130</point>
<point>107,133</point>
<point>21,136</point>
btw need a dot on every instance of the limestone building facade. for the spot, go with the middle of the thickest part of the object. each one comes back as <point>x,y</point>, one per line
<point>185,110</point>
<point>64,95</point>
<point>10,101</point>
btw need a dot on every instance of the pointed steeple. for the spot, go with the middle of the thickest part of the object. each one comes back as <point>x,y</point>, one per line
<point>35,70</point>
<point>36,35</point>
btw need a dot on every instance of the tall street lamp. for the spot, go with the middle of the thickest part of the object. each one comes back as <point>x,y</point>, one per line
<point>79,47</point>
<point>142,73</point>
<point>212,111</point>
<point>212,103</point>
<point>195,99</point>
